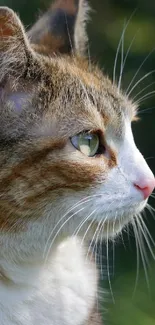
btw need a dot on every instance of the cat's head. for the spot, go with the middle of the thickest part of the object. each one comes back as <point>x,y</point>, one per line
<point>68,159</point>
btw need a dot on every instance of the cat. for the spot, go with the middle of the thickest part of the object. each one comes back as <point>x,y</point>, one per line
<point>69,168</point>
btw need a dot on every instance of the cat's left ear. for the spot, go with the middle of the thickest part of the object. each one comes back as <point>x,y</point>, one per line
<point>62,29</point>
<point>14,45</point>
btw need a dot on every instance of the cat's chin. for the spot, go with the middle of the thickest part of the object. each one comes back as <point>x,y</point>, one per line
<point>114,222</point>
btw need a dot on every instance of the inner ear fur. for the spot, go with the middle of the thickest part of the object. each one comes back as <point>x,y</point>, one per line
<point>62,29</point>
<point>14,44</point>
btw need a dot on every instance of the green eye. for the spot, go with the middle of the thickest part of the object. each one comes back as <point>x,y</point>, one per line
<point>87,143</point>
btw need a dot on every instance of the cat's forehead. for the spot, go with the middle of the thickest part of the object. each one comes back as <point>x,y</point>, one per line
<point>85,93</point>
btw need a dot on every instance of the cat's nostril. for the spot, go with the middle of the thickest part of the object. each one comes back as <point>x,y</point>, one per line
<point>146,187</point>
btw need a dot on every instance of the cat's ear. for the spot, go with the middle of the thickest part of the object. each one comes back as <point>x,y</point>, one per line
<point>14,45</point>
<point>62,29</point>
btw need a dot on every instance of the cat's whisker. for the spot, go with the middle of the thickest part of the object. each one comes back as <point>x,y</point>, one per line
<point>151,210</point>
<point>64,223</point>
<point>69,35</point>
<point>101,251</point>
<point>147,230</point>
<point>89,58</point>
<point>143,244</point>
<point>147,158</point>
<point>142,252</point>
<point>128,232</point>
<point>101,246</point>
<point>79,227</point>
<point>96,240</point>
<point>85,90</point>
<point>119,45</point>
<point>141,91</point>
<point>139,81</point>
<point>145,110</point>
<point>116,58</point>
<point>129,91</point>
<point>125,59</point>
<point>76,205</point>
<point>143,216</point>
<point>86,93</point>
<point>93,238</point>
<point>57,233</point>
<point>86,232</point>
<point>90,250</point>
<point>140,225</point>
<point>150,207</point>
<point>122,61</point>
<point>101,256</point>
<point>121,234</point>
<point>113,245</point>
<point>147,96</point>
<point>108,270</point>
<point>94,252</point>
<point>137,257</point>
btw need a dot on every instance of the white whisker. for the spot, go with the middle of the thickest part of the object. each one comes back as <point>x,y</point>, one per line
<point>119,45</point>
<point>137,256</point>
<point>89,58</point>
<point>122,59</point>
<point>146,229</point>
<point>151,210</point>
<point>142,252</point>
<point>145,110</point>
<point>125,59</point>
<point>93,238</point>
<point>134,77</point>
<point>146,238</point>
<point>113,245</point>
<point>86,232</point>
<point>97,238</point>
<point>150,207</point>
<point>108,271</point>
<point>76,205</point>
<point>147,96</point>
<point>69,35</point>
<point>141,91</point>
<point>57,233</point>
<point>77,230</point>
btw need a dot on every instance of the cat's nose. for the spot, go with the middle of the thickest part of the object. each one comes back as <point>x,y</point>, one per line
<point>146,187</point>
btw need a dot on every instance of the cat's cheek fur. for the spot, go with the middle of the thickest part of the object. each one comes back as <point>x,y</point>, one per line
<point>117,199</point>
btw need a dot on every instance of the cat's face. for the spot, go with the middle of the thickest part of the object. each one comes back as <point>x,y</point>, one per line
<point>68,157</point>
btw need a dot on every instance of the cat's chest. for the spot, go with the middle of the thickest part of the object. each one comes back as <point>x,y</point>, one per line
<point>64,292</point>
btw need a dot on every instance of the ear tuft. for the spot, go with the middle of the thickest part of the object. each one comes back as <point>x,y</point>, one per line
<point>62,27</point>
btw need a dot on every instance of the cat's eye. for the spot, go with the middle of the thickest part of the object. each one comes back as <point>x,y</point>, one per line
<point>87,143</point>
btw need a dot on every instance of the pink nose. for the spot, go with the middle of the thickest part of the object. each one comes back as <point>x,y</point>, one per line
<point>146,187</point>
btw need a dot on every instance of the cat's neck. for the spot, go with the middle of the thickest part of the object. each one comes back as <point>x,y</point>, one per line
<point>36,287</point>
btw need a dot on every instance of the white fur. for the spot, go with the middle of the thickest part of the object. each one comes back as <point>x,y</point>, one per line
<point>118,200</point>
<point>63,290</point>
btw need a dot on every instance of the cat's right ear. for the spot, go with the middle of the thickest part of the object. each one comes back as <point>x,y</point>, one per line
<point>14,45</point>
<point>62,29</point>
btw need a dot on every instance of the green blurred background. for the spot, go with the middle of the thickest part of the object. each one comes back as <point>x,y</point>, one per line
<point>108,19</point>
